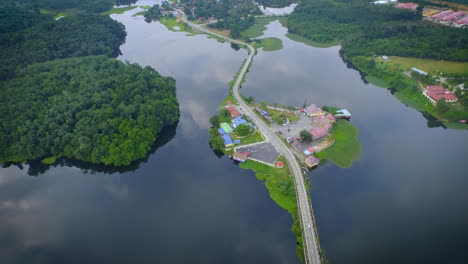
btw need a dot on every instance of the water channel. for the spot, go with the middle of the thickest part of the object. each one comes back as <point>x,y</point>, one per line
<point>402,202</point>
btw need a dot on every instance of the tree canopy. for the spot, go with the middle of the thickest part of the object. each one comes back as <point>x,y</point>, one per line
<point>94,109</point>
<point>72,36</point>
<point>365,29</point>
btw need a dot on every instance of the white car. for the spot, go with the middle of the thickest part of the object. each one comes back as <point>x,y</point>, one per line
<point>308,226</point>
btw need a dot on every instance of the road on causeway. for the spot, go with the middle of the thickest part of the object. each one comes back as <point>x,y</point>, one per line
<point>311,246</point>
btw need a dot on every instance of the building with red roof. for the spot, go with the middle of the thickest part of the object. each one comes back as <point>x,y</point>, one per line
<point>436,92</point>
<point>318,132</point>
<point>233,111</point>
<point>311,161</point>
<point>241,156</point>
<point>410,6</point>
<point>313,110</point>
<point>323,120</point>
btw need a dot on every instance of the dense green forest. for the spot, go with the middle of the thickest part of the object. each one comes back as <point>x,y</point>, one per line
<point>60,100</point>
<point>74,36</point>
<point>94,109</point>
<point>367,29</point>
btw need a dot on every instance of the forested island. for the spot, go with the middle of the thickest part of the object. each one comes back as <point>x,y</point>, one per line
<point>65,95</point>
<point>367,31</point>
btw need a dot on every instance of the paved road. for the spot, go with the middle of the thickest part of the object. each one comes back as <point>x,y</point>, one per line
<point>311,247</point>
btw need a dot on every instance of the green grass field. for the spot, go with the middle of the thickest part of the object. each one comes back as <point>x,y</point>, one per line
<point>49,160</point>
<point>118,10</point>
<point>257,29</point>
<point>429,65</point>
<point>253,138</point>
<point>346,148</point>
<point>269,44</point>
<point>311,42</point>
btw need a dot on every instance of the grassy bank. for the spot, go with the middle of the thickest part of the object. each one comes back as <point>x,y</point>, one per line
<point>269,44</point>
<point>49,160</point>
<point>311,42</point>
<point>259,27</point>
<point>118,10</point>
<point>253,138</point>
<point>170,23</point>
<point>346,148</point>
<point>280,185</point>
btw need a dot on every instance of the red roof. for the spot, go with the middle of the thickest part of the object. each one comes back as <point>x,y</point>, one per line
<point>233,111</point>
<point>229,102</point>
<point>279,164</point>
<point>311,149</point>
<point>437,92</point>
<point>312,161</point>
<point>407,6</point>
<point>318,132</point>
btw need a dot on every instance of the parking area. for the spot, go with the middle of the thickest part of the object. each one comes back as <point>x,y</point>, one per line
<point>264,152</point>
<point>293,129</point>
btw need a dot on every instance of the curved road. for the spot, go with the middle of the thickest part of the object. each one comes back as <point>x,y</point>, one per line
<point>311,247</point>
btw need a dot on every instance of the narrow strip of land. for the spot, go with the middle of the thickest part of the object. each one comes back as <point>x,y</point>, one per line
<point>311,246</point>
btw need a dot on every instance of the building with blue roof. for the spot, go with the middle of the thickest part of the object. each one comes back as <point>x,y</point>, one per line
<point>221,131</point>
<point>227,140</point>
<point>238,121</point>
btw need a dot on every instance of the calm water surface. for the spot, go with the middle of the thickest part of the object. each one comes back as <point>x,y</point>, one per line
<point>405,200</point>
<point>182,205</point>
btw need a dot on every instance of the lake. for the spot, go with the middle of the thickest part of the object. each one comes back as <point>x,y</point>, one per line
<point>402,202</point>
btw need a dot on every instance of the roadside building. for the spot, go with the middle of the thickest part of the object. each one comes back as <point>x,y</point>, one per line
<point>311,161</point>
<point>221,131</point>
<point>226,127</point>
<point>309,151</point>
<point>241,156</point>
<point>313,110</point>
<point>233,111</point>
<point>238,121</point>
<point>318,133</point>
<point>296,145</point>
<point>227,140</point>
<point>322,120</point>
<point>436,92</point>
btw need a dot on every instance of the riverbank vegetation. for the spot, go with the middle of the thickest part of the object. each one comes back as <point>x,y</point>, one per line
<point>118,10</point>
<point>346,148</point>
<point>367,31</point>
<point>280,185</point>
